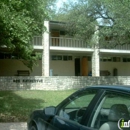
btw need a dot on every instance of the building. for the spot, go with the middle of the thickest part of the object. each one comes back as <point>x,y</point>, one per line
<point>67,56</point>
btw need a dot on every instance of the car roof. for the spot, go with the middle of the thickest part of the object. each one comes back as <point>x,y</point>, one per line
<point>125,88</point>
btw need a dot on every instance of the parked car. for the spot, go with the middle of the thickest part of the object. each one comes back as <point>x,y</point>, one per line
<point>90,108</point>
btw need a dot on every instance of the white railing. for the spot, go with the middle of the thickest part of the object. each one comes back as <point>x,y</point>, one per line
<point>67,42</point>
<point>37,41</point>
<point>75,43</point>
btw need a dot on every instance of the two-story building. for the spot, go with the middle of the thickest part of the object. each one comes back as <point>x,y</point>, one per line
<point>67,56</point>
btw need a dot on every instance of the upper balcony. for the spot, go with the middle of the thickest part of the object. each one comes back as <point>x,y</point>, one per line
<point>37,43</point>
<point>73,43</point>
<point>61,42</point>
<point>67,42</point>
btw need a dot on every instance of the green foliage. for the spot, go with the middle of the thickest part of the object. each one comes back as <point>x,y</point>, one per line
<point>78,22</point>
<point>111,15</point>
<point>20,20</point>
<point>114,17</point>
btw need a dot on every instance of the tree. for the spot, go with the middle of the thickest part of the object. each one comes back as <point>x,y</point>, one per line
<point>78,23</point>
<point>20,20</point>
<point>114,16</point>
<point>111,15</point>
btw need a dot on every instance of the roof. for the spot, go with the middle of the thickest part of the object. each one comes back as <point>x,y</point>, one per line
<point>125,88</point>
<point>57,22</point>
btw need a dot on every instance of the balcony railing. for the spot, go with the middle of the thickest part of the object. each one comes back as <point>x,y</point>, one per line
<point>75,43</point>
<point>67,42</point>
<point>37,41</point>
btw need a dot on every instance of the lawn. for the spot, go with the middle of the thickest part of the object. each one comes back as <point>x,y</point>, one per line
<point>17,105</point>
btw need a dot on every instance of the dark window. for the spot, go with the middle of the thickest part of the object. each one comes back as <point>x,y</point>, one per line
<point>128,59</point>
<point>124,59</point>
<point>76,106</point>
<point>62,32</point>
<point>60,57</point>
<point>1,56</point>
<point>102,111</point>
<point>65,58</point>
<point>69,57</point>
<point>56,57</point>
<point>109,59</point>
<point>116,59</point>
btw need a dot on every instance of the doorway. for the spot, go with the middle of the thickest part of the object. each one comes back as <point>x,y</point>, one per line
<point>77,66</point>
<point>55,38</point>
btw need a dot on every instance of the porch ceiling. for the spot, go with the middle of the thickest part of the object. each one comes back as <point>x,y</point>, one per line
<point>57,25</point>
<point>71,50</point>
<point>114,52</point>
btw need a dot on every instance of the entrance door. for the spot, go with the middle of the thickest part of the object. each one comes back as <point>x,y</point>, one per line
<point>77,66</point>
<point>84,66</point>
<point>55,38</point>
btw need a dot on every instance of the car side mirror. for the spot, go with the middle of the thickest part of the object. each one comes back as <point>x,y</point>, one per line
<point>50,111</point>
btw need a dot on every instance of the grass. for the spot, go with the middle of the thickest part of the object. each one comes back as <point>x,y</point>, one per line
<point>15,106</point>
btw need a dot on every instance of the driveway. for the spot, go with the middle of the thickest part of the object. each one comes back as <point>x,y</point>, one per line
<point>13,126</point>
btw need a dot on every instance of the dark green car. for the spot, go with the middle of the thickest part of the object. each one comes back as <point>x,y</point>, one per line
<point>90,108</point>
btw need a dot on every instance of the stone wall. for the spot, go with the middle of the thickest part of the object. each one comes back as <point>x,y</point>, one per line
<point>58,82</point>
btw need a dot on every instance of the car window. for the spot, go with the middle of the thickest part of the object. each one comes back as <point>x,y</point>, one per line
<point>77,104</point>
<point>100,115</point>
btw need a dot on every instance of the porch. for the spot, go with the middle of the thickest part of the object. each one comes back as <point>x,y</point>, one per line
<point>75,43</point>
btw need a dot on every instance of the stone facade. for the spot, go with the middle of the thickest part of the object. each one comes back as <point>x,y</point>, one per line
<point>58,82</point>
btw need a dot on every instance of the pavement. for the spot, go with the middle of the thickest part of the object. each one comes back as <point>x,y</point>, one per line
<point>13,126</point>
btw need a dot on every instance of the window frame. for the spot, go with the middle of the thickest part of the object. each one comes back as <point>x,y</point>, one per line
<point>106,92</point>
<point>84,120</point>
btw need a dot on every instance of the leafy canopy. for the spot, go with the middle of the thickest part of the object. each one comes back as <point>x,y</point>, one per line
<point>20,20</point>
<point>112,16</point>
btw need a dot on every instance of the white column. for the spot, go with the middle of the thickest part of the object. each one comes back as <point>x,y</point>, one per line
<point>96,54</point>
<point>46,50</point>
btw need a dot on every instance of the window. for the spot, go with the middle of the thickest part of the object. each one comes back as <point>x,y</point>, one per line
<point>9,56</point>
<point>76,106</point>
<point>56,57</point>
<point>62,32</point>
<point>126,59</point>
<point>60,57</point>
<point>69,57</point>
<point>65,58</point>
<point>103,110</point>
<point>110,59</point>
<point>116,59</point>
<point>106,59</point>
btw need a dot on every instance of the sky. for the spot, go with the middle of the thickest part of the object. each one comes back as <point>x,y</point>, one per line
<point>60,3</point>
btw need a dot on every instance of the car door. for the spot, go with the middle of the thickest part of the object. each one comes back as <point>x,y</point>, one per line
<point>71,111</point>
<point>101,114</point>
<point>66,124</point>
